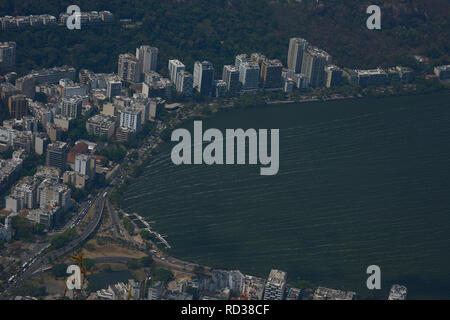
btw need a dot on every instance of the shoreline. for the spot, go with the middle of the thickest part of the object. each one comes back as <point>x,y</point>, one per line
<point>221,109</point>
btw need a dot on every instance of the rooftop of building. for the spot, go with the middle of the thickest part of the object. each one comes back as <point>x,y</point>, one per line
<point>82,157</point>
<point>250,65</point>
<point>230,67</point>
<point>185,73</point>
<point>332,67</point>
<point>369,72</point>
<point>64,68</point>
<point>7,44</point>
<point>277,277</point>
<point>205,64</point>
<point>176,62</point>
<point>318,52</point>
<point>443,68</point>
<point>298,39</point>
<point>242,56</point>
<point>323,293</point>
<point>398,292</point>
<point>101,119</point>
<point>273,63</point>
<point>129,56</point>
<point>57,145</point>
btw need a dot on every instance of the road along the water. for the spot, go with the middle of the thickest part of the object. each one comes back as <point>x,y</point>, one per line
<point>361,182</point>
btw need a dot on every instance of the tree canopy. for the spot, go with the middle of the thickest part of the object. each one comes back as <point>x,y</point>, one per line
<point>217,30</point>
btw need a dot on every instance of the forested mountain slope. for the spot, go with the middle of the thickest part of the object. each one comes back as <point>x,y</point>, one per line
<point>218,30</point>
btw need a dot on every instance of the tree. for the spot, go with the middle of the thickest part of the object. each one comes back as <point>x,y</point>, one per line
<point>165,276</point>
<point>302,284</point>
<point>25,230</point>
<point>146,261</point>
<point>133,264</point>
<point>128,225</point>
<point>7,154</point>
<point>146,235</point>
<point>64,238</point>
<point>134,156</point>
<point>89,263</point>
<point>59,270</point>
<point>30,289</point>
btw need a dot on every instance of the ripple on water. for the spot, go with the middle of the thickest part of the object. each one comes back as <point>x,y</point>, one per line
<point>360,183</point>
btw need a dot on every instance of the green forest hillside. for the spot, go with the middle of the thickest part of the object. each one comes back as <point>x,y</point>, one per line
<point>218,30</point>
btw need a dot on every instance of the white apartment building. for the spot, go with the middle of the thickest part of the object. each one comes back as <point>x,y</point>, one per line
<point>275,285</point>
<point>71,107</point>
<point>175,66</point>
<point>148,56</point>
<point>129,68</point>
<point>130,118</point>
<point>184,83</point>
<point>85,165</point>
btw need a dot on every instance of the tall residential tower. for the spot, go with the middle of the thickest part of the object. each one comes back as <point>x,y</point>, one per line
<point>314,62</point>
<point>203,77</point>
<point>297,47</point>
<point>148,56</point>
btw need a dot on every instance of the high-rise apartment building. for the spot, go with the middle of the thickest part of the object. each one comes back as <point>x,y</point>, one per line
<point>219,88</point>
<point>7,56</point>
<point>113,87</point>
<point>18,106</point>
<point>275,285</point>
<point>26,85</point>
<point>249,75</point>
<point>101,125</point>
<point>148,56</point>
<point>203,77</point>
<point>301,81</point>
<point>184,83</point>
<point>231,77</point>
<point>131,119</point>
<point>69,88</point>
<point>53,75</point>
<point>333,76</point>
<point>297,47</point>
<point>57,155</point>
<point>175,66</point>
<point>7,90</point>
<point>129,68</point>
<point>71,108</point>
<point>259,58</point>
<point>241,58</point>
<point>314,62</point>
<point>85,165</point>
<point>271,74</point>
<point>53,194</point>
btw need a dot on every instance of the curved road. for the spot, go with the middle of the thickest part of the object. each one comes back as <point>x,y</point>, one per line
<point>37,266</point>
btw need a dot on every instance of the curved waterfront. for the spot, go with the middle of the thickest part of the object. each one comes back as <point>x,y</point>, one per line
<point>361,182</point>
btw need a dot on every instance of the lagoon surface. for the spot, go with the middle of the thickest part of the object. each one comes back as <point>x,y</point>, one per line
<point>361,182</point>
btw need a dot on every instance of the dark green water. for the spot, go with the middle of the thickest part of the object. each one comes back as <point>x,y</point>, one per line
<point>105,278</point>
<point>361,182</point>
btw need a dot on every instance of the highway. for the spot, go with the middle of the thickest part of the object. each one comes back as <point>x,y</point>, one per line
<point>43,257</point>
<point>39,263</point>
